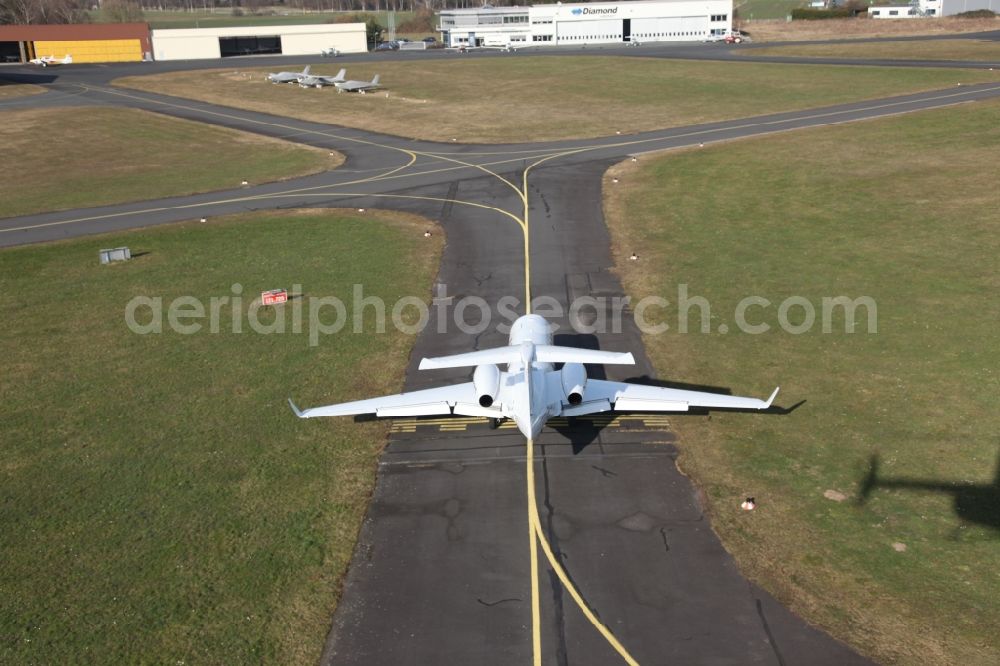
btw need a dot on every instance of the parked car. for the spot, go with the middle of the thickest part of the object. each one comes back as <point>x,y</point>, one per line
<point>738,37</point>
<point>387,46</point>
<point>429,40</point>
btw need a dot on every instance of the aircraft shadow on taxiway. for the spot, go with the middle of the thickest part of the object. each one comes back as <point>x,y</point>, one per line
<point>17,77</point>
<point>976,503</point>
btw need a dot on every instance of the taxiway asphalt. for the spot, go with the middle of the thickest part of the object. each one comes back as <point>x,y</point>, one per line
<point>441,570</point>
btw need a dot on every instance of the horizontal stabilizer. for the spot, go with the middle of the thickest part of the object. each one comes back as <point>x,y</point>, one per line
<point>554,354</point>
<point>469,359</point>
<point>542,354</point>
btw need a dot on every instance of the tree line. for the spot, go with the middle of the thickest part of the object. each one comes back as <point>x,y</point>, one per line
<point>78,11</point>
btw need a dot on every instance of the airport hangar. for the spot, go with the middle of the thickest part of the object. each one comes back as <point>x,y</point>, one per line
<point>133,42</point>
<point>591,23</point>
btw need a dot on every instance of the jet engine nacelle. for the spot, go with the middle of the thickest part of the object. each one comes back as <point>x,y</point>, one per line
<point>486,380</point>
<point>574,379</point>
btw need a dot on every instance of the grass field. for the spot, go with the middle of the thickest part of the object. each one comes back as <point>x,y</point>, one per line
<point>902,211</point>
<point>766,9</point>
<point>9,90</point>
<point>556,97</point>
<point>140,156</point>
<point>161,503</point>
<point>945,49</point>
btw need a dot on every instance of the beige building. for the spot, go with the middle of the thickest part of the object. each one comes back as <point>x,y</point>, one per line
<point>203,43</point>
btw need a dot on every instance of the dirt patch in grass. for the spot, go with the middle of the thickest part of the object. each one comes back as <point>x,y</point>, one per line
<point>944,49</point>
<point>89,156</point>
<point>10,90</point>
<point>161,501</point>
<point>557,97</point>
<point>901,423</point>
<point>859,28</point>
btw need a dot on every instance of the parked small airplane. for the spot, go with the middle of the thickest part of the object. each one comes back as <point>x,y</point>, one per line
<point>530,391</point>
<point>316,81</point>
<point>288,77</point>
<point>358,86</point>
<point>51,61</point>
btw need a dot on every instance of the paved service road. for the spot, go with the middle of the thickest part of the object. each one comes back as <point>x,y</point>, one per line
<point>442,572</point>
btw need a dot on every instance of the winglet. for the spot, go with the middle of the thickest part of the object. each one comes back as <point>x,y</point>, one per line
<point>767,404</point>
<point>295,409</point>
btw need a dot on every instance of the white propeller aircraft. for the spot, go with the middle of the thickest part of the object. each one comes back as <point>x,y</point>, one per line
<point>530,391</point>
<point>358,86</point>
<point>317,81</point>
<point>51,61</point>
<point>288,77</point>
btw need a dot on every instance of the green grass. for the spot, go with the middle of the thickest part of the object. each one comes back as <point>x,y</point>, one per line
<point>556,97</point>
<point>945,49</point>
<point>767,9</point>
<point>904,211</point>
<point>89,156</point>
<point>159,20</point>
<point>160,502</point>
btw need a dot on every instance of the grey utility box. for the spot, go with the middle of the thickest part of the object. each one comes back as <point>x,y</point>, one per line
<point>116,254</point>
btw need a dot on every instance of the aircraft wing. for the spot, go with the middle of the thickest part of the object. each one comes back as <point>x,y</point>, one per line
<point>600,396</point>
<point>456,399</point>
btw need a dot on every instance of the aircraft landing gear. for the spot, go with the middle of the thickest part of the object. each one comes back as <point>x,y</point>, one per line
<point>495,423</point>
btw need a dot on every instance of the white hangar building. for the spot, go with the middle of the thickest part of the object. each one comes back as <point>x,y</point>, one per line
<point>587,23</point>
<point>197,43</point>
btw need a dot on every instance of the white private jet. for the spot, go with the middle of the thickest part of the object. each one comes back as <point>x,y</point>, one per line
<point>51,61</point>
<point>288,77</point>
<point>317,81</point>
<point>530,391</point>
<point>358,86</point>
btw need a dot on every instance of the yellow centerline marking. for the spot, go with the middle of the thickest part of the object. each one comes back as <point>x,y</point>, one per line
<point>536,622</point>
<point>534,523</point>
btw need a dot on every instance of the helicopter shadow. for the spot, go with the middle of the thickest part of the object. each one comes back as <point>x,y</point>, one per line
<point>974,503</point>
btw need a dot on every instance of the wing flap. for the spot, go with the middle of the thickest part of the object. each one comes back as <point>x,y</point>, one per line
<point>639,397</point>
<point>592,407</point>
<point>474,409</point>
<point>423,409</point>
<point>430,402</point>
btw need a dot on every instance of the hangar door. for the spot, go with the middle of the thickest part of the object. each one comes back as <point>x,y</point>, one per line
<point>582,32</point>
<point>678,28</point>
<point>92,50</point>
<point>237,46</point>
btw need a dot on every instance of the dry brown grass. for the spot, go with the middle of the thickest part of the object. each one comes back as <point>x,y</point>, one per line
<point>89,156</point>
<point>859,28</point>
<point>9,89</point>
<point>944,49</point>
<point>557,97</point>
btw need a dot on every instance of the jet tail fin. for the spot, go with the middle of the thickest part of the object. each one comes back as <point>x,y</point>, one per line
<point>341,74</point>
<point>305,72</point>
<point>375,80</point>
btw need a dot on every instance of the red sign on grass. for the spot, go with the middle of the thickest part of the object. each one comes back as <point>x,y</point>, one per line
<point>274,296</point>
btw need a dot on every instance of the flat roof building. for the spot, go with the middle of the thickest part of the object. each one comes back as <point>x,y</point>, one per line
<point>199,43</point>
<point>931,8</point>
<point>590,23</point>
<point>86,42</point>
